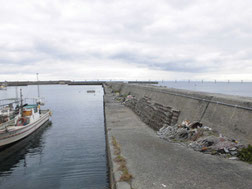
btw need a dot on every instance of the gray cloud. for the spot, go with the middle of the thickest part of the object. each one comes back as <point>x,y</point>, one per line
<point>102,39</point>
<point>178,65</point>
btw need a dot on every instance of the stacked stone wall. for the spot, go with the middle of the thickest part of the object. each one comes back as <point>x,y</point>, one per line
<point>152,113</point>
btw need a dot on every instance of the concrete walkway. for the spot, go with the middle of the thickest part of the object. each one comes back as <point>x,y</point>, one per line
<point>156,163</point>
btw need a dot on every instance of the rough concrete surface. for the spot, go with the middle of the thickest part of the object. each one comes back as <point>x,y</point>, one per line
<point>155,163</point>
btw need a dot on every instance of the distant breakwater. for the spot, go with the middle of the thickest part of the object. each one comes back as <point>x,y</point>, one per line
<point>66,82</point>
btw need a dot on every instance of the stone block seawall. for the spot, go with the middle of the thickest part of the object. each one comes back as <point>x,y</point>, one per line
<point>153,114</point>
<point>230,115</point>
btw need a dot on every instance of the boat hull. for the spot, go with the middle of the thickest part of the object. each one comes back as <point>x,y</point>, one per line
<point>10,137</point>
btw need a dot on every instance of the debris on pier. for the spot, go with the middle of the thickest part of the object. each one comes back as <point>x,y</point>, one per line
<point>201,138</point>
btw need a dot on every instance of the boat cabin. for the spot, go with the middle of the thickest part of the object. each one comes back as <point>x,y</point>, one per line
<point>29,115</point>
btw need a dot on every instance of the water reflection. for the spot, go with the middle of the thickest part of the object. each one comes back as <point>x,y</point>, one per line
<point>17,152</point>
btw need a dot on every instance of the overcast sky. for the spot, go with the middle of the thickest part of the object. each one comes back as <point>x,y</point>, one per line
<point>126,39</point>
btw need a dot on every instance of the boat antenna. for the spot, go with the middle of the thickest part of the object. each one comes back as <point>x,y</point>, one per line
<point>38,85</point>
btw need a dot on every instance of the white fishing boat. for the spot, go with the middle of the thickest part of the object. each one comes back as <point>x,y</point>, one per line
<point>7,110</point>
<point>3,86</point>
<point>28,119</point>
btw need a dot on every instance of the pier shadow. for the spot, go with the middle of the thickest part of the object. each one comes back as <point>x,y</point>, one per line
<point>14,153</point>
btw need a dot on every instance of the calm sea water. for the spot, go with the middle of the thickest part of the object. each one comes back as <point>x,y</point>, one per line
<point>70,153</point>
<point>232,88</point>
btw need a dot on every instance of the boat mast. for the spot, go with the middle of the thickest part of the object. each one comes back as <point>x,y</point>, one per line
<point>38,85</point>
<point>21,102</point>
<point>16,92</point>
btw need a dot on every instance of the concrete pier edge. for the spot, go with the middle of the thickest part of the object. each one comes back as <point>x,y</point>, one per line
<point>108,147</point>
<point>114,174</point>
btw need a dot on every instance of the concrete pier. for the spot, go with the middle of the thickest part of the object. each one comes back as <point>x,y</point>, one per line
<point>230,115</point>
<point>155,163</point>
